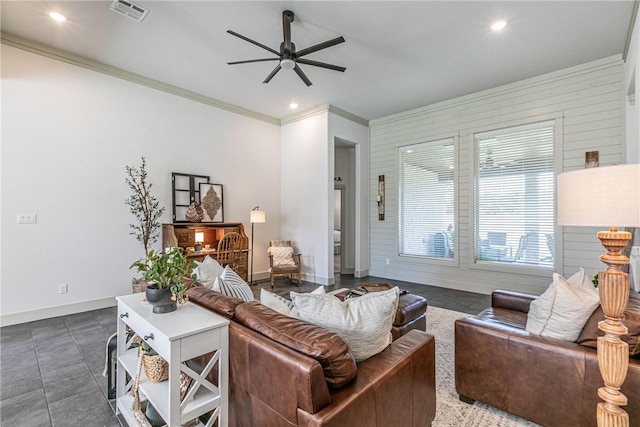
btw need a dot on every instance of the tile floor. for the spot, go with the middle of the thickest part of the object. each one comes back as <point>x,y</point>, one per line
<point>51,370</point>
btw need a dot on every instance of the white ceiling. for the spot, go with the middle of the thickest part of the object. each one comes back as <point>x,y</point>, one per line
<point>399,55</point>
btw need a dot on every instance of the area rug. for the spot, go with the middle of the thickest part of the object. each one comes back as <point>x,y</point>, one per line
<point>450,411</point>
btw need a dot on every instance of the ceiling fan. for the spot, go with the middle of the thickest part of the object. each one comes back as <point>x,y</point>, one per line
<point>288,58</point>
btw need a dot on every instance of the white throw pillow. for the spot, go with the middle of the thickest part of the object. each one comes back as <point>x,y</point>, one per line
<point>281,304</point>
<point>230,284</point>
<point>563,309</point>
<point>207,271</point>
<point>364,323</point>
<point>282,255</point>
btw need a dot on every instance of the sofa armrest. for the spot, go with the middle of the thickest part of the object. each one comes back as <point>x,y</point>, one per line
<point>511,300</point>
<point>394,387</point>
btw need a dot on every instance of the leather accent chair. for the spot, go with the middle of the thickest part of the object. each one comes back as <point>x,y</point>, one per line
<point>550,382</point>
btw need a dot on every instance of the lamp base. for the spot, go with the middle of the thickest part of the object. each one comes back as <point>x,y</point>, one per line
<point>613,353</point>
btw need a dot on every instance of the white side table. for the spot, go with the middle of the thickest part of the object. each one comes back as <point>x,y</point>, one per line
<point>178,336</point>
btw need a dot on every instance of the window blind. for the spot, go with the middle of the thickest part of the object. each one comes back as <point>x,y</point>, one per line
<point>426,199</point>
<point>514,195</point>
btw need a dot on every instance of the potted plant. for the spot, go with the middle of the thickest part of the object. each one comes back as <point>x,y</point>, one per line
<point>165,274</point>
<point>146,209</point>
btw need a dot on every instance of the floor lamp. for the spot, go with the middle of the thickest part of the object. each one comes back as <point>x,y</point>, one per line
<point>256,217</point>
<point>601,197</point>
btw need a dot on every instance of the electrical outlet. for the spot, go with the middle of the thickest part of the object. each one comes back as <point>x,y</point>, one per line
<point>63,288</point>
<point>388,261</point>
<point>27,218</point>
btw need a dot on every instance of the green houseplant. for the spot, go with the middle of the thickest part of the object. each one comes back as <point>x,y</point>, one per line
<point>143,206</point>
<point>165,273</point>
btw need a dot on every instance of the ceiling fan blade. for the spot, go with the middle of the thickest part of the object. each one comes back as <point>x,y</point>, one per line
<point>233,33</point>
<point>304,78</point>
<point>287,19</point>
<point>253,60</point>
<point>319,46</point>
<point>273,73</point>
<point>321,64</point>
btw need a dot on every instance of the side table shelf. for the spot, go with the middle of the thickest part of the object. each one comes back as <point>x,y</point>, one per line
<point>179,336</point>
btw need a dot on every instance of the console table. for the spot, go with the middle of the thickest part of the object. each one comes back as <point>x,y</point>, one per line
<point>178,336</point>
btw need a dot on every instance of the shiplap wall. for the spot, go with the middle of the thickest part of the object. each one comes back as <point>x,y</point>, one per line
<point>587,103</point>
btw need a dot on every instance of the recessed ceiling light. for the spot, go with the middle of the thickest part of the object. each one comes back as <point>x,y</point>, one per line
<point>499,25</point>
<point>57,16</point>
<point>293,105</point>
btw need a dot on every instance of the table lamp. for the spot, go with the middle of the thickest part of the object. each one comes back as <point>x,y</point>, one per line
<point>602,197</point>
<point>199,240</point>
<point>255,217</point>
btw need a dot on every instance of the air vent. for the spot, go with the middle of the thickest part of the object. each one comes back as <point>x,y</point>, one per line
<point>129,10</point>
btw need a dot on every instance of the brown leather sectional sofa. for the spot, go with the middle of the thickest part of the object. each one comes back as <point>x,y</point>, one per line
<point>285,372</point>
<point>550,382</point>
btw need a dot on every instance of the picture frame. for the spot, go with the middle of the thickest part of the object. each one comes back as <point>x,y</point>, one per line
<point>212,202</point>
<point>184,190</point>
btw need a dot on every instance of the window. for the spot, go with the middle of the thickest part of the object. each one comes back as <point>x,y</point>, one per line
<point>426,191</point>
<point>514,195</point>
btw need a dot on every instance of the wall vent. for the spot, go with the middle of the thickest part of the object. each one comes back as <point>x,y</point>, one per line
<point>129,10</point>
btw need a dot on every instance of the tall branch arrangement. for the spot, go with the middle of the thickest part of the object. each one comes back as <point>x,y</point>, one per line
<point>143,206</point>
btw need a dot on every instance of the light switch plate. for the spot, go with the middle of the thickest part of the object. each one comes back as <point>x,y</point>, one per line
<point>27,218</point>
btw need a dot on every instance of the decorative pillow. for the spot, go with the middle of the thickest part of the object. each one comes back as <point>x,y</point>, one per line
<point>232,285</point>
<point>563,309</point>
<point>207,271</point>
<point>276,302</point>
<point>281,304</point>
<point>364,323</point>
<point>282,255</point>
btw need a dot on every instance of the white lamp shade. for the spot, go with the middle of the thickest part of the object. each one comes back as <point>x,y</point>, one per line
<point>605,196</point>
<point>199,237</point>
<point>258,217</point>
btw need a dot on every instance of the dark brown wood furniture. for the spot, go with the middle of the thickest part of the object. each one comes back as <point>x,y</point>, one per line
<point>184,235</point>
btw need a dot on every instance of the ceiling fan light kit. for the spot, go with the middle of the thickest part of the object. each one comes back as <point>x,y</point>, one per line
<point>288,58</point>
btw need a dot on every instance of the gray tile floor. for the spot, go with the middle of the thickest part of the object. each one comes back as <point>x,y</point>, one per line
<point>51,370</point>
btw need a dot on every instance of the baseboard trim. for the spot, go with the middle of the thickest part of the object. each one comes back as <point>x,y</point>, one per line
<point>61,310</point>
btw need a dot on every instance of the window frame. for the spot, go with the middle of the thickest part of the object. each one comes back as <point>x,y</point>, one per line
<point>526,270</point>
<point>450,262</point>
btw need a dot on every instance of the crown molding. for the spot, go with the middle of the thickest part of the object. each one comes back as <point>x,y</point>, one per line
<point>80,61</point>
<point>326,108</point>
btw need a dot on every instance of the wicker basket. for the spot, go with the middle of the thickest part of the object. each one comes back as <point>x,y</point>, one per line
<point>156,368</point>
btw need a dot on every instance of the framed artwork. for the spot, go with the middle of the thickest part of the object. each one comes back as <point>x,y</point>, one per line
<point>184,190</point>
<point>211,202</point>
<point>591,159</point>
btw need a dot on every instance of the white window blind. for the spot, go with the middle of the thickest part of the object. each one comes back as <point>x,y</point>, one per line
<point>514,195</point>
<point>426,191</point>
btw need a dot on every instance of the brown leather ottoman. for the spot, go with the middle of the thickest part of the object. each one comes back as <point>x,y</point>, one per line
<point>411,313</point>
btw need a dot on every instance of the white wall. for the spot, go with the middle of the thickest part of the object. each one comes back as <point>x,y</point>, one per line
<point>587,100</point>
<point>306,194</point>
<point>308,162</point>
<point>67,134</point>
<point>632,90</point>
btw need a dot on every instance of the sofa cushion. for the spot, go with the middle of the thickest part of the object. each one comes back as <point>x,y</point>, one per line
<point>318,343</point>
<point>563,309</point>
<point>221,304</point>
<point>364,322</point>
<point>230,284</point>
<point>590,333</point>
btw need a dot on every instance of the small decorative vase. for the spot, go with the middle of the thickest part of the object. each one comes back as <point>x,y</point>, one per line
<point>194,213</point>
<point>160,299</point>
